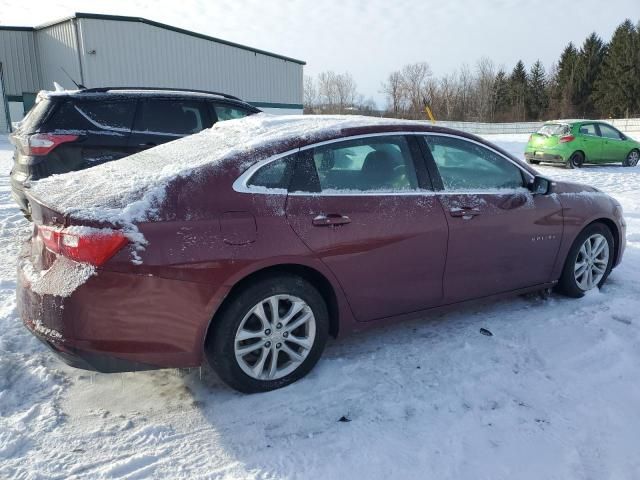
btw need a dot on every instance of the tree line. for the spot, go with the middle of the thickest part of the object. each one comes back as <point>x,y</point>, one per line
<point>595,80</point>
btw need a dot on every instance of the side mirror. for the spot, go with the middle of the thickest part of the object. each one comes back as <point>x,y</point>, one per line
<point>540,185</point>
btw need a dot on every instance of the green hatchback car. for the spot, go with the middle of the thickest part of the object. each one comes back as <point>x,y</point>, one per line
<point>576,142</point>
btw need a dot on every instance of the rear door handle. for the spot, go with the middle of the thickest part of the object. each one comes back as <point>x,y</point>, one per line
<point>330,219</point>
<point>465,213</point>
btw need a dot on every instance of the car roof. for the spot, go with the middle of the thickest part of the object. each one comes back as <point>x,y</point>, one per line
<point>142,92</point>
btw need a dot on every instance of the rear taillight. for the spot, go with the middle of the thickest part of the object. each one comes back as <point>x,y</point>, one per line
<point>86,245</point>
<point>43,143</point>
<point>566,139</point>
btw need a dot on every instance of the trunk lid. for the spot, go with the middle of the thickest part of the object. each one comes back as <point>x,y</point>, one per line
<point>549,135</point>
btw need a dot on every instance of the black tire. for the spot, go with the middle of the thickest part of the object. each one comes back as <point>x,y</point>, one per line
<point>533,162</point>
<point>219,347</point>
<point>567,284</point>
<point>632,158</point>
<point>576,160</point>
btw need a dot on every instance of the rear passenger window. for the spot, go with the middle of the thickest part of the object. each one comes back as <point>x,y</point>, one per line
<point>274,175</point>
<point>169,117</point>
<point>377,164</point>
<point>108,115</point>
<point>589,129</point>
<point>224,112</point>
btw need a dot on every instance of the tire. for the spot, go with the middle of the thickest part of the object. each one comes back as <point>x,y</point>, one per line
<point>576,160</point>
<point>632,158</point>
<point>533,162</point>
<point>266,337</point>
<point>569,284</point>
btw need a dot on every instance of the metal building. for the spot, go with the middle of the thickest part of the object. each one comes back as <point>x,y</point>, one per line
<point>106,50</point>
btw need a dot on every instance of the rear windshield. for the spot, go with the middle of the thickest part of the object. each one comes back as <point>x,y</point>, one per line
<point>32,121</point>
<point>116,115</point>
<point>554,129</point>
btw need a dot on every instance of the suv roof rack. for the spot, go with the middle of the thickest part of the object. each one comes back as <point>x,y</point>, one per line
<point>162,89</point>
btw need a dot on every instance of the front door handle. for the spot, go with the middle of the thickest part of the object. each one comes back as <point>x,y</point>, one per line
<point>465,213</point>
<point>330,219</point>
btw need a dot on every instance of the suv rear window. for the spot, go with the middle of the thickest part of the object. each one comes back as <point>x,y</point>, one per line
<point>554,129</point>
<point>109,115</point>
<point>173,117</point>
<point>33,120</point>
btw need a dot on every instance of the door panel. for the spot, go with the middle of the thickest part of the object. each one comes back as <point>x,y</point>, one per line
<point>373,224</point>
<point>509,242</point>
<point>389,258</point>
<point>614,149</point>
<point>590,142</point>
<point>501,237</point>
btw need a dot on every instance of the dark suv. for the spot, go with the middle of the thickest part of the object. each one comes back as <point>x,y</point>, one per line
<point>73,130</point>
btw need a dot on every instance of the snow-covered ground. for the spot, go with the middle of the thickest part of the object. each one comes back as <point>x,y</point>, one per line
<point>553,394</point>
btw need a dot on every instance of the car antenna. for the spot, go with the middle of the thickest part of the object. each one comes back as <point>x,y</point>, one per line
<point>79,86</point>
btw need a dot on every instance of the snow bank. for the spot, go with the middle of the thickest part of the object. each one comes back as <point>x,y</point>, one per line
<point>131,189</point>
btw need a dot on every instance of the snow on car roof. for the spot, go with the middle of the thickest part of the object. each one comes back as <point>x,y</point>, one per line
<point>127,190</point>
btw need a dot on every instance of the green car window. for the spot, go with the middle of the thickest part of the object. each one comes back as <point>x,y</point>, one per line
<point>588,129</point>
<point>607,131</point>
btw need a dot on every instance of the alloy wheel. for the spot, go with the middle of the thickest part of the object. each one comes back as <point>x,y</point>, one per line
<point>275,337</point>
<point>591,262</point>
<point>633,158</point>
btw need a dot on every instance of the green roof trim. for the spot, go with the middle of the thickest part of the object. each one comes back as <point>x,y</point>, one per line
<point>121,18</point>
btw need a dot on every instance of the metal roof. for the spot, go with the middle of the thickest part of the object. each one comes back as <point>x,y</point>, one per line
<point>122,18</point>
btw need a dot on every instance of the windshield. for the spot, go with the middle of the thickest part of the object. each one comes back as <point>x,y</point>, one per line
<point>554,129</point>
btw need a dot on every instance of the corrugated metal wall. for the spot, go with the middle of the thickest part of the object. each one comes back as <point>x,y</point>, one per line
<point>56,47</point>
<point>132,53</point>
<point>18,56</point>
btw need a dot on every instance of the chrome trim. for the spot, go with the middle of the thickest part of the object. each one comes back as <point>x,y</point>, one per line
<point>240,184</point>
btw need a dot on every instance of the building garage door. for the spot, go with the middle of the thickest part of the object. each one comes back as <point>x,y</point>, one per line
<point>4,110</point>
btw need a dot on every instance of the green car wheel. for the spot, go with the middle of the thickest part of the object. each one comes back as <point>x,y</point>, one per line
<point>632,159</point>
<point>576,160</point>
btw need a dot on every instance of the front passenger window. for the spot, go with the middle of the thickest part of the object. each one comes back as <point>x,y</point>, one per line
<point>464,165</point>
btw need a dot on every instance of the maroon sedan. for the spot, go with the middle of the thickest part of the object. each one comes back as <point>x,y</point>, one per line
<point>250,243</point>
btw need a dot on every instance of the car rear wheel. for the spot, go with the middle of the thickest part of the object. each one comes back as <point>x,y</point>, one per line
<point>576,160</point>
<point>533,162</point>
<point>269,335</point>
<point>589,261</point>
<point>632,159</point>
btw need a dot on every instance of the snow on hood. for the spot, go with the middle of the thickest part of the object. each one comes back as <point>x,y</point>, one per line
<point>130,190</point>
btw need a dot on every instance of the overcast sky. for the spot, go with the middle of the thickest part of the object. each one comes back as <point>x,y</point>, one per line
<point>369,38</point>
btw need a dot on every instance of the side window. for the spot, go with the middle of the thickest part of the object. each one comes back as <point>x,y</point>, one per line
<point>607,131</point>
<point>464,165</point>
<point>225,112</point>
<point>588,129</point>
<point>382,164</point>
<point>170,117</point>
<point>274,175</point>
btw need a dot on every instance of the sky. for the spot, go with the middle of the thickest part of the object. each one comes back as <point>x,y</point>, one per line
<point>369,38</point>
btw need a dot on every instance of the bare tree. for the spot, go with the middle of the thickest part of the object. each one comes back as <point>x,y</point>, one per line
<point>392,88</point>
<point>484,89</point>
<point>414,77</point>
<point>310,94</point>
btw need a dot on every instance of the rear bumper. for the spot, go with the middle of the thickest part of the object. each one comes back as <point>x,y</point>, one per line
<point>118,322</point>
<point>544,157</point>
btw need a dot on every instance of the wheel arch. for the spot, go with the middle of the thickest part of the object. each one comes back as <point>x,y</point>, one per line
<point>613,228</point>
<point>580,151</point>
<point>310,274</point>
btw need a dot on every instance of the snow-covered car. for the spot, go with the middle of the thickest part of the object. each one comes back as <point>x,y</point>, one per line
<point>70,130</point>
<point>250,243</point>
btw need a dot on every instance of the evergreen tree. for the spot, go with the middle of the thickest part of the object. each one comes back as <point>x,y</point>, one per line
<point>617,89</point>
<point>564,83</point>
<point>518,92</point>
<point>538,99</point>
<point>501,96</point>
<point>588,67</point>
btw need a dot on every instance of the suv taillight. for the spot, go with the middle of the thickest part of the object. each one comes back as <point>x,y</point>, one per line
<point>567,139</point>
<point>87,245</point>
<point>43,143</point>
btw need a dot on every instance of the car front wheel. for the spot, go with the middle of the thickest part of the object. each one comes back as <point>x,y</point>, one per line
<point>632,159</point>
<point>589,261</point>
<point>269,335</point>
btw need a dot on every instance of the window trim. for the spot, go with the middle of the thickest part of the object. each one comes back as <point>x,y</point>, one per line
<point>240,184</point>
